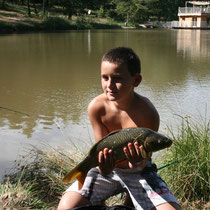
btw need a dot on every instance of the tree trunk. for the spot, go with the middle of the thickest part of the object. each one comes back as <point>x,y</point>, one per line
<point>3,4</point>
<point>43,7</point>
<point>35,10</point>
<point>29,10</point>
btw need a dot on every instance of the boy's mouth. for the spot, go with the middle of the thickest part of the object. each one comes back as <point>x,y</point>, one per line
<point>111,92</point>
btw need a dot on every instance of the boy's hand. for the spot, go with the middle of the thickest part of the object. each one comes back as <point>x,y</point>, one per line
<point>106,161</point>
<point>133,154</point>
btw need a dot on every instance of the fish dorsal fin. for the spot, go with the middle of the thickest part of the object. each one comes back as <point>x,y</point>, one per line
<point>111,133</point>
<point>116,131</point>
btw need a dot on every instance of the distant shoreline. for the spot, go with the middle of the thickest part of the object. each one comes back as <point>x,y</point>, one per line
<point>15,21</point>
<point>49,25</point>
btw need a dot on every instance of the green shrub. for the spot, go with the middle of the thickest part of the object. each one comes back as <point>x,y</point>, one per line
<point>6,27</point>
<point>56,23</point>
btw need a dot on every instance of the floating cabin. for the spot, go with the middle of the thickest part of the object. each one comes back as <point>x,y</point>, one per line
<point>195,15</point>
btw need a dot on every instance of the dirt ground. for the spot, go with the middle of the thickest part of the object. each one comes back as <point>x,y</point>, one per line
<point>14,17</point>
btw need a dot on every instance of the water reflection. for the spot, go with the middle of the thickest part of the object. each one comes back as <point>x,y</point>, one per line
<point>193,43</point>
<point>56,75</point>
<point>47,77</point>
<point>52,77</point>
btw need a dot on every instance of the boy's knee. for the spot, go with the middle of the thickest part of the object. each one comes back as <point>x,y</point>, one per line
<point>64,202</point>
<point>71,200</point>
<point>167,206</point>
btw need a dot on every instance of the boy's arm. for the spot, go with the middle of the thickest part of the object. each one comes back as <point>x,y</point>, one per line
<point>94,112</point>
<point>105,158</point>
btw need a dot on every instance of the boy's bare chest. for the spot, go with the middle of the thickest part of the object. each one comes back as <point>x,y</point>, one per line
<point>118,120</point>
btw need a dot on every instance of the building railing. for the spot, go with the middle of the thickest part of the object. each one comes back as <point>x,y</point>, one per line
<point>194,10</point>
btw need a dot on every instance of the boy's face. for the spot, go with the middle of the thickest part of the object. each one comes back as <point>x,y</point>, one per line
<point>117,82</point>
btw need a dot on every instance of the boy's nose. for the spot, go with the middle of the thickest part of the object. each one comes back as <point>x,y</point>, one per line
<point>110,83</point>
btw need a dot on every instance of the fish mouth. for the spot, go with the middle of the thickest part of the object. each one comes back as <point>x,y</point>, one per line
<point>157,145</point>
<point>169,142</point>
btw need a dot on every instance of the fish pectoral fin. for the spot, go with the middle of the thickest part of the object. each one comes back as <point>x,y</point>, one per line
<point>144,153</point>
<point>81,177</point>
<point>78,175</point>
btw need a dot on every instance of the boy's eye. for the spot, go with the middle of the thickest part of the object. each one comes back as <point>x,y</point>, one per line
<point>114,78</point>
<point>117,79</point>
<point>104,77</point>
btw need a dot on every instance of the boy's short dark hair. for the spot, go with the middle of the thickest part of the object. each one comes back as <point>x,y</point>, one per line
<point>124,55</point>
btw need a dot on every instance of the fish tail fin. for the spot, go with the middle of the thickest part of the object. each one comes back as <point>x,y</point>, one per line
<point>75,173</point>
<point>79,172</point>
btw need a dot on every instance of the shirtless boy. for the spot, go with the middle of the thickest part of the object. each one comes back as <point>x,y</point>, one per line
<point>118,107</point>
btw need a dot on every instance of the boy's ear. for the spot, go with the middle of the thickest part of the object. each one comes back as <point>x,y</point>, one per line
<point>137,80</point>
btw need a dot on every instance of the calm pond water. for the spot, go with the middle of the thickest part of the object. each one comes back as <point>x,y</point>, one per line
<point>53,76</point>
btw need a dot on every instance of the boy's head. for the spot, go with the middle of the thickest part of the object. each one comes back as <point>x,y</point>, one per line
<point>124,56</point>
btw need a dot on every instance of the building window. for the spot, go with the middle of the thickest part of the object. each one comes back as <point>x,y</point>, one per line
<point>208,21</point>
<point>194,21</point>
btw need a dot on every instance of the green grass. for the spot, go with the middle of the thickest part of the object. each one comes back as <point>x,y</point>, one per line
<point>36,183</point>
<point>189,177</point>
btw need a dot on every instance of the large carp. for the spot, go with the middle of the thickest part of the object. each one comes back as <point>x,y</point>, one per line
<point>116,141</point>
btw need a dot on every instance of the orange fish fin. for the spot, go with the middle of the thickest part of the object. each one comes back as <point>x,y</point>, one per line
<point>74,173</point>
<point>81,179</point>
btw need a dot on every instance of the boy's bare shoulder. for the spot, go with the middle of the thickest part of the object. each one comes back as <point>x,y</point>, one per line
<point>97,104</point>
<point>148,110</point>
<point>145,103</point>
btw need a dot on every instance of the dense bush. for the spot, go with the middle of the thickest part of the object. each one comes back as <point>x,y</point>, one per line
<point>56,23</point>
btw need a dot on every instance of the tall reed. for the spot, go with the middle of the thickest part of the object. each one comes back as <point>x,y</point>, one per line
<point>189,177</point>
<point>36,181</point>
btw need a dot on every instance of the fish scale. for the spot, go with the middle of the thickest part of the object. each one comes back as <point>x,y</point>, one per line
<point>113,141</point>
<point>116,140</point>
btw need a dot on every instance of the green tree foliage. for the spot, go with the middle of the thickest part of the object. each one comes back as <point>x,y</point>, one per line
<point>164,9</point>
<point>2,4</point>
<point>131,10</point>
<point>79,7</point>
<point>72,7</point>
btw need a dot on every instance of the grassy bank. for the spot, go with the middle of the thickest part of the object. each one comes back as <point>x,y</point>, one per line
<point>14,19</point>
<point>189,176</point>
<point>38,184</point>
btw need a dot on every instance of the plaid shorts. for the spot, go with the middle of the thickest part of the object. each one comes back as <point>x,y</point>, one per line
<point>145,188</point>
